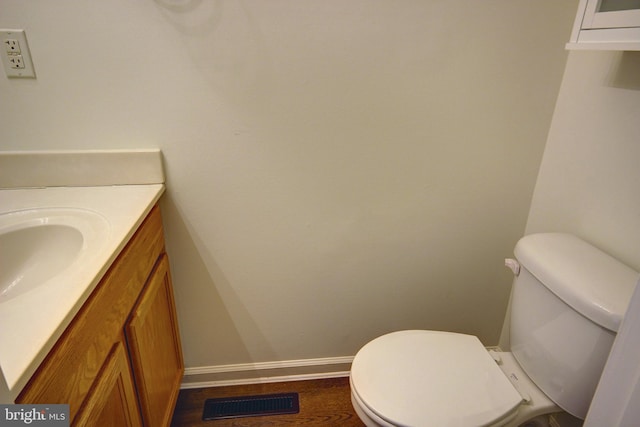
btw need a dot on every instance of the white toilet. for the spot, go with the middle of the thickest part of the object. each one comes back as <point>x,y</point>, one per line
<point>567,303</point>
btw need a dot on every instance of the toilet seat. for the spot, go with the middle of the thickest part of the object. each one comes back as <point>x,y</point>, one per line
<point>432,378</point>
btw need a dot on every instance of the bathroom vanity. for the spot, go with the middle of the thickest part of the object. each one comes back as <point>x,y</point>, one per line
<point>123,343</point>
<point>100,334</point>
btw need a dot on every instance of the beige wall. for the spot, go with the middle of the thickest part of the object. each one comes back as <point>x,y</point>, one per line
<point>589,181</point>
<point>336,170</point>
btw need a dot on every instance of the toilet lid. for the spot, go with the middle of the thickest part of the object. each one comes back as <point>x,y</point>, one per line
<point>432,378</point>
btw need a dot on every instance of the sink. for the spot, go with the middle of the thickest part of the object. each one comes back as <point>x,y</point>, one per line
<point>40,245</point>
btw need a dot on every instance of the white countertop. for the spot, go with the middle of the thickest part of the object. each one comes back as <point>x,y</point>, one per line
<point>31,323</point>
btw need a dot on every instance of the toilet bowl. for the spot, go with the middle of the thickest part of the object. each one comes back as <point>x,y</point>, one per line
<point>433,378</point>
<point>567,303</point>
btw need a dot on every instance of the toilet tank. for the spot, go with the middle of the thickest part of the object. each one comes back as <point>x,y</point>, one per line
<point>567,304</point>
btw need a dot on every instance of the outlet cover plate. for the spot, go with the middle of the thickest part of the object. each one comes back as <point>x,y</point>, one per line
<point>21,57</point>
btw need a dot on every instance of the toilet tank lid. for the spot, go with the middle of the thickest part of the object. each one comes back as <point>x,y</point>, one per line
<point>590,281</point>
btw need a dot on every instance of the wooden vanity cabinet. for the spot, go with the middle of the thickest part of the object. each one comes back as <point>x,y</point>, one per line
<point>154,347</point>
<point>119,362</point>
<point>112,401</point>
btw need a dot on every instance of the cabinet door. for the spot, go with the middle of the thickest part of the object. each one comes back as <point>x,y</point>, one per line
<point>112,400</point>
<point>611,14</point>
<point>154,346</point>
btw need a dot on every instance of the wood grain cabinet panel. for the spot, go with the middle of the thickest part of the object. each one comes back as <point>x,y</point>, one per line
<point>112,401</point>
<point>154,346</point>
<point>130,315</point>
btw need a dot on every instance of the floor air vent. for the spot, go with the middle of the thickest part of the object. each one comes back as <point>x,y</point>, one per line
<point>251,406</point>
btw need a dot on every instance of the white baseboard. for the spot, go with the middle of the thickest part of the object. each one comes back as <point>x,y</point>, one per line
<point>266,372</point>
<point>270,372</point>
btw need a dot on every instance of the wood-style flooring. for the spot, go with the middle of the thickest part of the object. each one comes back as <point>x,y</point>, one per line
<point>325,402</point>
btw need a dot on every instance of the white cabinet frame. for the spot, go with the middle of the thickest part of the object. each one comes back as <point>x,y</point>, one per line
<point>614,30</point>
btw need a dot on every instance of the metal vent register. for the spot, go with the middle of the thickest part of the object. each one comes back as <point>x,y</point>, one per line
<point>251,406</point>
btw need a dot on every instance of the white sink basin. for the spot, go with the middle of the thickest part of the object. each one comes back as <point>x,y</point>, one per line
<point>56,244</point>
<point>39,245</point>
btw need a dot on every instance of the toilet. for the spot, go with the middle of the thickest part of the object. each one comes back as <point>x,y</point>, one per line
<point>567,303</point>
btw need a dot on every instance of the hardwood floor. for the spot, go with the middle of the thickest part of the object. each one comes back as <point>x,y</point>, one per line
<point>324,402</point>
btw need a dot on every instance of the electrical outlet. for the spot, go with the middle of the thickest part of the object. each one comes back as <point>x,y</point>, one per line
<point>16,62</point>
<point>16,57</point>
<point>12,45</point>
